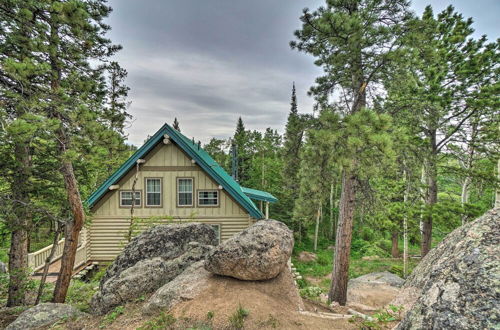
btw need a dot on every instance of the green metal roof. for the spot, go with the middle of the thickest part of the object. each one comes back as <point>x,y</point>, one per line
<point>259,195</point>
<point>201,157</point>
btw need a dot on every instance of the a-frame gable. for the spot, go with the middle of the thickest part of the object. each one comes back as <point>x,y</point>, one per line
<point>193,151</point>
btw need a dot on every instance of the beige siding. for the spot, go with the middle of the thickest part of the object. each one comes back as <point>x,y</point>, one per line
<point>110,222</point>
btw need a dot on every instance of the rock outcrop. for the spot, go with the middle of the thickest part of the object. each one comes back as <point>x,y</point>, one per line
<point>373,291</point>
<point>43,315</point>
<point>305,256</point>
<point>151,260</point>
<point>184,287</point>
<point>457,285</point>
<point>260,252</point>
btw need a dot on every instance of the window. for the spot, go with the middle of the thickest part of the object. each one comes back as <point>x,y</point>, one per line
<point>126,198</point>
<point>153,192</point>
<point>208,198</point>
<point>185,192</point>
<point>216,227</point>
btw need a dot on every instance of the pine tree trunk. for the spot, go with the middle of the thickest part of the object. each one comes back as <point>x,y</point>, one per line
<point>46,266</point>
<point>72,228</point>
<point>18,253</point>
<point>316,229</point>
<point>431,200</point>
<point>72,232</point>
<point>332,221</point>
<point>405,224</point>
<point>395,245</point>
<point>338,289</point>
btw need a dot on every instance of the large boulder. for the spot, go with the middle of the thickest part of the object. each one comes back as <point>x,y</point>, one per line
<point>260,252</point>
<point>43,315</point>
<point>151,260</point>
<point>184,287</point>
<point>457,284</point>
<point>166,241</point>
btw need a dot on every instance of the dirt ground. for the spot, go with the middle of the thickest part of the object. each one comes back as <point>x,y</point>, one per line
<point>273,304</point>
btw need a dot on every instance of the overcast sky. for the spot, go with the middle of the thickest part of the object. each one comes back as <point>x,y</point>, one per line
<point>207,62</point>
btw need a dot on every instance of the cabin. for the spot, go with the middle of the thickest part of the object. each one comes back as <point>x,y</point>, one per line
<point>170,178</point>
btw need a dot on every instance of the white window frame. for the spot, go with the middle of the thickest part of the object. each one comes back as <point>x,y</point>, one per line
<point>136,199</point>
<point>208,190</point>
<point>178,192</point>
<point>146,192</point>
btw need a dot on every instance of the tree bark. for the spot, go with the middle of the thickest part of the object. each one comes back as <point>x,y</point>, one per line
<point>395,245</point>
<point>338,290</point>
<point>316,229</point>
<point>46,266</point>
<point>431,200</point>
<point>18,253</point>
<point>72,232</point>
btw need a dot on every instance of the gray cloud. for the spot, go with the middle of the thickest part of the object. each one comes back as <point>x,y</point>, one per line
<point>209,62</point>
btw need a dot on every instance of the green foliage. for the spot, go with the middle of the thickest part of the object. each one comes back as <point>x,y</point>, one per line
<point>161,321</point>
<point>80,294</point>
<point>111,317</point>
<point>311,292</point>
<point>237,319</point>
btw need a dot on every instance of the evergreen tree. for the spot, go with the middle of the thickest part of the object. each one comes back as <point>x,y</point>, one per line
<point>353,42</point>
<point>448,79</point>
<point>241,140</point>
<point>59,70</point>
<point>175,125</point>
<point>292,144</point>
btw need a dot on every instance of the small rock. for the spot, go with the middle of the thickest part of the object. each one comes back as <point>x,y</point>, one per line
<point>370,258</point>
<point>260,252</point>
<point>305,256</point>
<point>43,315</point>
<point>334,304</point>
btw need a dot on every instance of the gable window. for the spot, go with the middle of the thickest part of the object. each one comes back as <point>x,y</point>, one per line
<point>153,192</point>
<point>126,198</point>
<point>208,198</point>
<point>216,227</point>
<point>185,191</point>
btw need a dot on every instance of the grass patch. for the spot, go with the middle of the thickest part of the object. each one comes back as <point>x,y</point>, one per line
<point>111,316</point>
<point>237,319</point>
<point>162,321</point>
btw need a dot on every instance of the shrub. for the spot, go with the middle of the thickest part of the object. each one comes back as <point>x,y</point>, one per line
<point>311,292</point>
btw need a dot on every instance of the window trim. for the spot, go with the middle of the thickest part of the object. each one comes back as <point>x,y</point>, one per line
<point>177,191</point>
<point>209,190</point>
<point>219,226</point>
<point>129,206</point>
<point>146,192</point>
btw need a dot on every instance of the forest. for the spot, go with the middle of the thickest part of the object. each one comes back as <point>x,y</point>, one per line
<point>401,147</point>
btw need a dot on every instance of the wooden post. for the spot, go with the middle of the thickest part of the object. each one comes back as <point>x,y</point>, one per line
<point>267,210</point>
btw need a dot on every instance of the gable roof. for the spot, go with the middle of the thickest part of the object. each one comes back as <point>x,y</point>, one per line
<point>202,158</point>
<point>259,195</point>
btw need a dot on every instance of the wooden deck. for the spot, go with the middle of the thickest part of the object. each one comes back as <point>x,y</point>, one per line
<point>53,272</point>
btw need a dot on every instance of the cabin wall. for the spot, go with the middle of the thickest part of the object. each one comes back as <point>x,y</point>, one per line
<point>110,222</point>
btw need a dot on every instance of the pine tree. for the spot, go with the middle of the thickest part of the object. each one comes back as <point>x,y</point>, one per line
<point>353,42</point>
<point>241,139</point>
<point>175,125</point>
<point>448,78</point>
<point>292,145</point>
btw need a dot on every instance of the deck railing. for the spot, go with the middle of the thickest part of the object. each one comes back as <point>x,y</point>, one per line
<point>37,259</point>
